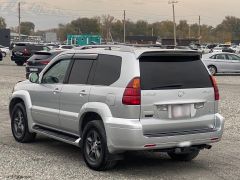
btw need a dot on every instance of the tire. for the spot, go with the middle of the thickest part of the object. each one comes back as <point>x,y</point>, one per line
<point>19,63</point>
<point>4,54</point>
<point>184,156</point>
<point>95,150</point>
<point>213,70</point>
<point>19,124</point>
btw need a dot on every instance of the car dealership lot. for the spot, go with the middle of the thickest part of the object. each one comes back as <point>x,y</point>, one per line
<point>50,159</point>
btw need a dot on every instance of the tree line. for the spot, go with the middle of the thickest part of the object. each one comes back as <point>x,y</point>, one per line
<point>111,28</point>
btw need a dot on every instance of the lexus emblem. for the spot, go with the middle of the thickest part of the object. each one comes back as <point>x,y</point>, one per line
<point>181,93</point>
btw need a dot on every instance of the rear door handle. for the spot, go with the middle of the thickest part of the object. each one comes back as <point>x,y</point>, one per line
<point>83,93</point>
<point>56,91</point>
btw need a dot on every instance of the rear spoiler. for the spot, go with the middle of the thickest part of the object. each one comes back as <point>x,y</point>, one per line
<point>171,53</point>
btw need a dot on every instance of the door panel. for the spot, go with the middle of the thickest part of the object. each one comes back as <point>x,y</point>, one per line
<point>45,101</point>
<point>72,98</point>
<point>46,96</point>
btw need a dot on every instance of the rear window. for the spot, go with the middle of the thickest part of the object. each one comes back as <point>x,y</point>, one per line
<point>19,47</point>
<point>173,72</point>
<point>107,70</point>
<point>40,57</point>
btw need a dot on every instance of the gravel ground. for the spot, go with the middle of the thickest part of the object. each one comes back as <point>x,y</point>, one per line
<point>50,159</point>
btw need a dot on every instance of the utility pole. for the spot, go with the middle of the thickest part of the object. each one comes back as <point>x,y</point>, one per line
<point>199,28</point>
<point>174,22</point>
<point>19,21</point>
<point>189,31</point>
<point>124,26</point>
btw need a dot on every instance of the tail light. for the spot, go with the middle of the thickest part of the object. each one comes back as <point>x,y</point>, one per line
<point>216,91</point>
<point>45,62</point>
<point>132,93</point>
<point>26,52</point>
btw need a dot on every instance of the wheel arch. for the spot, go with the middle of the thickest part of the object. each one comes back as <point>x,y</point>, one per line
<point>93,111</point>
<point>24,97</point>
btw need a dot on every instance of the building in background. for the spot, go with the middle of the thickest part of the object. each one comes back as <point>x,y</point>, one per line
<point>142,39</point>
<point>180,42</point>
<point>82,40</point>
<point>50,37</point>
<point>5,37</point>
<point>15,37</point>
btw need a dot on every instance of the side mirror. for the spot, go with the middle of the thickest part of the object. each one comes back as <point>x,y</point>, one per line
<point>33,78</point>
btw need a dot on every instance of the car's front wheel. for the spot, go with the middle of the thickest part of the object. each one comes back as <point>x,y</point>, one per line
<point>95,151</point>
<point>19,124</point>
<point>212,69</point>
<point>184,156</point>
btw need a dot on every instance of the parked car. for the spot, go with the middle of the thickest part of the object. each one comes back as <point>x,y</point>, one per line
<point>205,50</point>
<point>228,49</point>
<point>5,50</point>
<point>216,49</point>
<point>222,62</point>
<point>63,47</point>
<point>23,51</point>
<point>109,101</point>
<point>39,60</point>
<point>236,48</point>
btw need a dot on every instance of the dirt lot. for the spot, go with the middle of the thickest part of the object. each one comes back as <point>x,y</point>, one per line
<point>50,159</point>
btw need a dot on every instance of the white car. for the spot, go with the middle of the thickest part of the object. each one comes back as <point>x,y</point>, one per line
<point>5,50</point>
<point>217,49</point>
<point>63,47</point>
<point>236,48</point>
<point>205,50</point>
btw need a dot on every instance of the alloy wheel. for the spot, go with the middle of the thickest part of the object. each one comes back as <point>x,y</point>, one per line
<point>93,146</point>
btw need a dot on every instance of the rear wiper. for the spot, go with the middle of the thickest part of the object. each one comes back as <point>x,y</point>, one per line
<point>168,86</point>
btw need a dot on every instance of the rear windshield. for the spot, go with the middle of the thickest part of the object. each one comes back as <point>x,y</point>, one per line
<point>19,47</point>
<point>173,72</point>
<point>40,57</point>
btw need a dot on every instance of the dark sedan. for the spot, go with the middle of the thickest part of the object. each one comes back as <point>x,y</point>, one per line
<point>39,60</point>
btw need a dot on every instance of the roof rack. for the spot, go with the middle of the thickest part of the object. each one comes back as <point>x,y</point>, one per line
<point>119,47</point>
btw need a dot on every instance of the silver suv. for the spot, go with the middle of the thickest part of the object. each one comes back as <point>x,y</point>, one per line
<point>117,99</point>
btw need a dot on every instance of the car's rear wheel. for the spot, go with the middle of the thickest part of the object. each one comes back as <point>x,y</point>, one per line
<point>20,63</point>
<point>95,150</point>
<point>184,156</point>
<point>212,69</point>
<point>19,124</point>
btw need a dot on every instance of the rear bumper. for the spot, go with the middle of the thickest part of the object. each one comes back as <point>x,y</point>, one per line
<point>127,135</point>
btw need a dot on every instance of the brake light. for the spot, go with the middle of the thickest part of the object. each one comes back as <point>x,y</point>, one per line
<point>216,91</point>
<point>45,62</point>
<point>132,93</point>
<point>26,52</point>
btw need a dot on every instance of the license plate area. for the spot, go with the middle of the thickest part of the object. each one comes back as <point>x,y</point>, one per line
<point>180,111</point>
<point>33,69</point>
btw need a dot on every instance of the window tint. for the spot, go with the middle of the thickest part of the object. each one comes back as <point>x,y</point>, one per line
<point>233,57</point>
<point>213,57</point>
<point>221,56</point>
<point>67,47</point>
<point>169,72</point>
<point>56,73</point>
<point>108,69</point>
<point>19,48</point>
<point>39,57</point>
<point>80,71</point>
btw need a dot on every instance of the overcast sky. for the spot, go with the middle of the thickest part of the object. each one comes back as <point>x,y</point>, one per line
<point>49,13</point>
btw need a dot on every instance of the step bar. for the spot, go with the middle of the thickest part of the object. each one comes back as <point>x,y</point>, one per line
<point>57,135</point>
